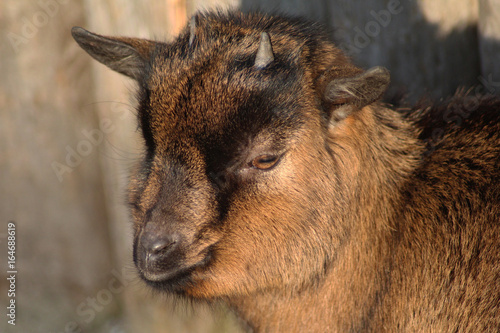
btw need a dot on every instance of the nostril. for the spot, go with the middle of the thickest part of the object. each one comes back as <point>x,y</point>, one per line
<point>161,246</point>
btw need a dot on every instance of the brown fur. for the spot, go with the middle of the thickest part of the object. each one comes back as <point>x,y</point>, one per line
<point>373,219</point>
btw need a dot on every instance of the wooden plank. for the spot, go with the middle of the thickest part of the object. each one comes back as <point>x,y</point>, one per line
<point>51,184</point>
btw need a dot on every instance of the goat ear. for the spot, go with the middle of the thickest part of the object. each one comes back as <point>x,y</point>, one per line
<point>352,89</point>
<point>127,56</point>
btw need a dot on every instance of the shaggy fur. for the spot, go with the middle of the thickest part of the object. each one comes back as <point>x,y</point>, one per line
<point>284,187</point>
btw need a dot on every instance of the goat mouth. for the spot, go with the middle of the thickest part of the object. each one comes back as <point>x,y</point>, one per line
<point>174,280</point>
<point>171,281</point>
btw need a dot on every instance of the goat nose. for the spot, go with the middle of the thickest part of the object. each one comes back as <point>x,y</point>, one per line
<point>156,246</point>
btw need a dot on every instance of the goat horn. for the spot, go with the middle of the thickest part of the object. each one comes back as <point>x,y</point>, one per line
<point>192,30</point>
<point>265,53</point>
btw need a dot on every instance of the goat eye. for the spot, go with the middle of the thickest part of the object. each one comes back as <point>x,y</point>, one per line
<point>264,162</point>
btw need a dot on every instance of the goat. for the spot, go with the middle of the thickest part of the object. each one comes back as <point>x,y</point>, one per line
<point>276,180</point>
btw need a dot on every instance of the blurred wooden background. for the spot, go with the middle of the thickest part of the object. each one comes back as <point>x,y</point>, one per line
<point>68,138</point>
